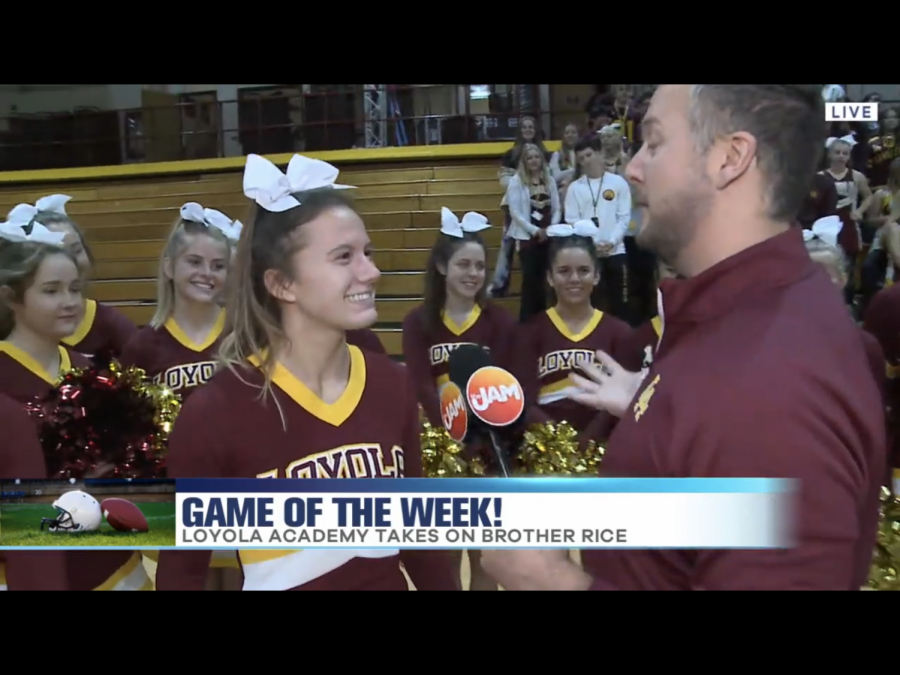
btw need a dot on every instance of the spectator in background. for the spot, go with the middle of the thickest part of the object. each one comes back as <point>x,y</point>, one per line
<point>641,103</point>
<point>562,162</point>
<point>835,93</point>
<point>872,127</point>
<point>529,132</point>
<point>883,148</point>
<point>854,197</point>
<point>624,112</point>
<point>604,198</point>
<point>880,262</point>
<point>599,117</point>
<point>612,145</point>
<point>534,206</point>
<point>616,106</point>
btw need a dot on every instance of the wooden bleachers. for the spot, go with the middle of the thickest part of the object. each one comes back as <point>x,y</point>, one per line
<point>127,221</point>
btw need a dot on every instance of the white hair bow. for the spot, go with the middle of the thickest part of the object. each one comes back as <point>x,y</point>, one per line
<point>827,229</point>
<point>615,126</point>
<point>53,204</point>
<point>583,228</point>
<point>195,213</point>
<point>23,214</point>
<point>273,190</point>
<point>454,227</point>
<point>849,139</point>
<point>39,234</point>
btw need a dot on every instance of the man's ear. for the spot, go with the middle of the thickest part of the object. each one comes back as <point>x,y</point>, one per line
<point>731,158</point>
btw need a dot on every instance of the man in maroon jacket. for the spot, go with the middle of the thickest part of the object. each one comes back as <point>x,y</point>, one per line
<point>760,371</point>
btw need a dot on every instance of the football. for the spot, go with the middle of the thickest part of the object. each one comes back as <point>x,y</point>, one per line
<point>124,516</point>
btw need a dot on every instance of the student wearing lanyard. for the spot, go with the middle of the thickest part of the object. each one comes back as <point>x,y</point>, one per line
<point>604,198</point>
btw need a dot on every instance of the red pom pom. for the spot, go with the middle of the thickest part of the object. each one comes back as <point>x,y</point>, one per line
<point>100,422</point>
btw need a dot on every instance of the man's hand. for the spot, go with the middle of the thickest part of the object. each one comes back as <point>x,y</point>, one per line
<point>535,570</point>
<point>604,249</point>
<point>607,385</point>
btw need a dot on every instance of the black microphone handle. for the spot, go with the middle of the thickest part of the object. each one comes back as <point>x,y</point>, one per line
<point>497,447</point>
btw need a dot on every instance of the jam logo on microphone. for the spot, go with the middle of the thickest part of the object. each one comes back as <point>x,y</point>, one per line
<point>495,396</point>
<point>453,412</point>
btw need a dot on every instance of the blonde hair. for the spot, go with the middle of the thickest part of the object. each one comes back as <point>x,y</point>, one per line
<point>19,263</point>
<point>253,319</point>
<point>522,171</point>
<point>175,245</point>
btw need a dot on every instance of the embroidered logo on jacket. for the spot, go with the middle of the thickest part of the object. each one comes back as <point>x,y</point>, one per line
<point>643,402</point>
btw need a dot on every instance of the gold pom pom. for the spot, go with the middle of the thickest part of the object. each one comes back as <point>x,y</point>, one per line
<point>442,456</point>
<point>885,572</point>
<point>166,403</point>
<point>553,449</point>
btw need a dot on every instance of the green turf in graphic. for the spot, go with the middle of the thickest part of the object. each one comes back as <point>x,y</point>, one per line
<point>20,525</point>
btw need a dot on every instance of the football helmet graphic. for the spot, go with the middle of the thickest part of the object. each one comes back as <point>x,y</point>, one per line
<point>76,511</point>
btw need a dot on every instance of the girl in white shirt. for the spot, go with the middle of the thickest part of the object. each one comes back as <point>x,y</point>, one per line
<point>533,200</point>
<point>529,133</point>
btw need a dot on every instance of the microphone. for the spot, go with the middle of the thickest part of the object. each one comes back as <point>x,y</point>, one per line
<point>481,400</point>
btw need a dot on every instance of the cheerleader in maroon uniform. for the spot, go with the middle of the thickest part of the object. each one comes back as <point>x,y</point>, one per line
<point>294,400</point>
<point>556,342</point>
<point>102,328</point>
<point>180,345</point>
<point>854,197</point>
<point>21,457</point>
<point>41,305</point>
<point>455,312</point>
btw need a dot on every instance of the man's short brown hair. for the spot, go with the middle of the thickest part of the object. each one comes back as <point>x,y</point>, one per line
<point>788,122</point>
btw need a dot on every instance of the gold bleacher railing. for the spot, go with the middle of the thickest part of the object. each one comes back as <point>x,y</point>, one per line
<point>290,119</point>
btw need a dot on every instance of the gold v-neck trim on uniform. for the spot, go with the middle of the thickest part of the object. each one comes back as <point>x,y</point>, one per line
<point>561,326</point>
<point>657,325</point>
<point>84,327</point>
<point>335,413</point>
<point>459,329</point>
<point>25,360</point>
<point>182,338</point>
